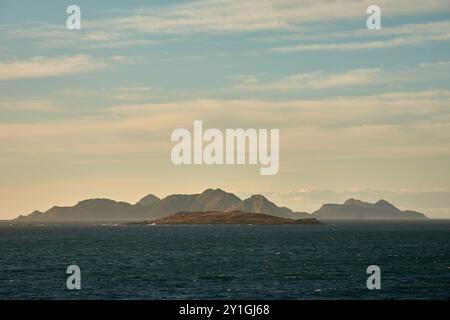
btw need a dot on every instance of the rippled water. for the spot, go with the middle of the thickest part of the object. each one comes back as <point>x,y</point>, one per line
<point>219,262</point>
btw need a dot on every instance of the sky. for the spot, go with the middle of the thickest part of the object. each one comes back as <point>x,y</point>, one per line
<point>89,113</point>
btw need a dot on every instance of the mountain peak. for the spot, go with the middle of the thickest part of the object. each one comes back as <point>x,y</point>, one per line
<point>259,204</point>
<point>148,200</point>
<point>356,202</point>
<point>384,204</point>
<point>214,199</point>
<point>212,191</point>
<point>95,201</point>
<point>259,197</point>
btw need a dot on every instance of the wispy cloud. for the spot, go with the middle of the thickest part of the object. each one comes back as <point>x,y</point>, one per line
<point>37,67</point>
<point>227,16</point>
<point>56,35</point>
<point>133,92</point>
<point>292,19</point>
<point>324,32</point>
<point>389,125</point>
<point>393,42</point>
<point>320,80</point>
<point>326,38</point>
<point>313,80</point>
<point>27,105</point>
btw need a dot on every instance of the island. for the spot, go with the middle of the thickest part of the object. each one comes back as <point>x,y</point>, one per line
<point>225,218</point>
<point>218,205</point>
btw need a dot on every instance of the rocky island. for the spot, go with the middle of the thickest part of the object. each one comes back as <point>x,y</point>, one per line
<point>225,218</point>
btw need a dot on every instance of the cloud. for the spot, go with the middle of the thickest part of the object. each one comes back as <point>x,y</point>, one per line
<point>327,31</point>
<point>56,35</point>
<point>38,67</point>
<point>439,65</point>
<point>363,45</point>
<point>27,105</point>
<point>311,81</point>
<point>134,92</point>
<point>291,19</point>
<point>320,80</point>
<point>387,37</point>
<point>401,124</point>
<point>231,16</point>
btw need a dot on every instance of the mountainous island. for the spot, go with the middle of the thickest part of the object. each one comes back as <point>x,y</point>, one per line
<point>214,205</point>
<point>353,209</point>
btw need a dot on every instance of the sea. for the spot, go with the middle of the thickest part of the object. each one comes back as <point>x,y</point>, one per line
<point>298,262</point>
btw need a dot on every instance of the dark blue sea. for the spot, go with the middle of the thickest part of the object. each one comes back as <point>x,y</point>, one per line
<point>226,262</point>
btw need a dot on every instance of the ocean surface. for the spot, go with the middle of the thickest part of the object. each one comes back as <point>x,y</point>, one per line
<point>226,262</point>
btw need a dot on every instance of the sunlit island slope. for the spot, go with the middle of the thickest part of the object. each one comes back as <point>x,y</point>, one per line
<point>219,217</point>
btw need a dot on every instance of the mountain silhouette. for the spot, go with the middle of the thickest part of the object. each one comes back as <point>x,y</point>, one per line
<point>208,200</point>
<point>148,200</point>
<point>353,209</point>
<point>151,207</point>
<point>88,210</point>
<point>260,204</point>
